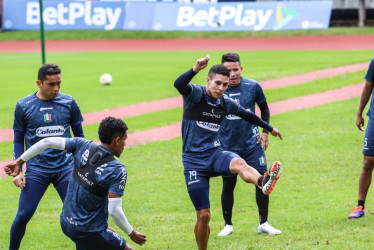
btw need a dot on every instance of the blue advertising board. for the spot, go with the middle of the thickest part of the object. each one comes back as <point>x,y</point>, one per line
<point>62,15</point>
<point>229,16</point>
<point>167,16</point>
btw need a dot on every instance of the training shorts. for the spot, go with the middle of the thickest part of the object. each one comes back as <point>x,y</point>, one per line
<point>199,167</point>
<point>368,148</point>
<point>105,239</point>
<point>254,157</point>
<point>57,178</point>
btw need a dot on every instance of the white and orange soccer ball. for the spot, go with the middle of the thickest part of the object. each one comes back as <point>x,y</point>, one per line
<point>106,79</point>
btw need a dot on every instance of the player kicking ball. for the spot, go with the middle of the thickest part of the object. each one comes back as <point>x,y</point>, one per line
<point>204,108</point>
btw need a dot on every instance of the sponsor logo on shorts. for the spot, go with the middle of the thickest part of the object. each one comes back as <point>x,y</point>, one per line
<point>207,125</point>
<point>50,131</point>
<point>192,182</point>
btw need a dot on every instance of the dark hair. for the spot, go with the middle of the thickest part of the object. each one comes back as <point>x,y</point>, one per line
<point>218,69</point>
<point>111,127</point>
<point>48,69</point>
<point>230,57</point>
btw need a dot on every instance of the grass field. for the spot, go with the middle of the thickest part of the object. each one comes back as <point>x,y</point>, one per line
<point>321,152</point>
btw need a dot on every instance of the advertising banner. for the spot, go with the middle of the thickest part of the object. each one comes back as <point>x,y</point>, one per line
<point>167,16</point>
<point>229,16</point>
<point>62,15</point>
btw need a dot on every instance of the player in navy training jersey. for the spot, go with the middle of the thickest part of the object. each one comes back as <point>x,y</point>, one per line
<point>368,148</point>
<point>204,108</point>
<point>43,114</point>
<point>96,176</point>
<point>244,139</point>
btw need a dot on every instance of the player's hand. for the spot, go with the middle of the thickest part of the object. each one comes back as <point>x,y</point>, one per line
<point>360,122</point>
<point>110,228</point>
<point>20,180</point>
<point>13,168</point>
<point>276,132</point>
<point>201,63</point>
<point>265,140</point>
<point>138,238</point>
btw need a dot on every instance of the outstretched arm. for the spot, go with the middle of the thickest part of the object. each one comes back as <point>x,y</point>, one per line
<point>119,218</point>
<point>254,119</point>
<point>182,83</point>
<point>13,168</point>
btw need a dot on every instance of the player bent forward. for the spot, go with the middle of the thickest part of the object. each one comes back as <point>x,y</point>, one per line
<point>96,176</point>
<point>204,108</point>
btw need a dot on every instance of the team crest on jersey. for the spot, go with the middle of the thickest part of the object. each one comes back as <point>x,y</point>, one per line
<point>47,117</point>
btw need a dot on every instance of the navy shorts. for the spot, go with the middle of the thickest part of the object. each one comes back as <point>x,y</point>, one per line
<point>103,240</point>
<point>368,148</point>
<point>57,178</point>
<point>255,157</point>
<point>199,167</point>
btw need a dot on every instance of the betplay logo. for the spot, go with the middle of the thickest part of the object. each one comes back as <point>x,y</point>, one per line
<point>65,14</point>
<point>214,17</point>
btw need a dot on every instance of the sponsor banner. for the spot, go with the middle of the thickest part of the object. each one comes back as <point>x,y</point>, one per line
<point>228,16</point>
<point>60,15</point>
<point>166,16</point>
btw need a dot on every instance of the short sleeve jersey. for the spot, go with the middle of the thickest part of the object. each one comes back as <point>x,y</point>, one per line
<point>200,136</point>
<point>39,119</point>
<point>370,78</point>
<point>84,211</point>
<point>235,133</point>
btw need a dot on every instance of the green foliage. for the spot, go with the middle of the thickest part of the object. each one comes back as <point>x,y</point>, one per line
<point>126,34</point>
<point>321,156</point>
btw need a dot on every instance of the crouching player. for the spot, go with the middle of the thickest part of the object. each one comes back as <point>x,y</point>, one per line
<point>96,176</point>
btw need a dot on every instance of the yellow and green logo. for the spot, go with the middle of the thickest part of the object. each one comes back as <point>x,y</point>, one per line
<point>284,16</point>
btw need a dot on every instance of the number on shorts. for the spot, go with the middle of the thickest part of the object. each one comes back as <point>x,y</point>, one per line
<point>193,174</point>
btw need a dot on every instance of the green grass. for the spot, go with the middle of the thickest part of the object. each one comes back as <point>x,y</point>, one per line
<point>321,150</point>
<point>170,116</point>
<point>146,76</point>
<point>313,87</point>
<point>321,156</point>
<point>125,34</point>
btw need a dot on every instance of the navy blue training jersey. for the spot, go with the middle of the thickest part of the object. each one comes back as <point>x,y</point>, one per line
<point>235,133</point>
<point>39,119</point>
<point>85,211</point>
<point>199,136</point>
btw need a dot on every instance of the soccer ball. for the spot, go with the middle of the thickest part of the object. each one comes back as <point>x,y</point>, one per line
<point>106,79</point>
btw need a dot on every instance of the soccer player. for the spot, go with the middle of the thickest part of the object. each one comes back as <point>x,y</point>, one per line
<point>368,148</point>
<point>244,139</point>
<point>204,108</point>
<point>42,114</point>
<point>96,176</point>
